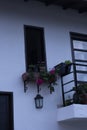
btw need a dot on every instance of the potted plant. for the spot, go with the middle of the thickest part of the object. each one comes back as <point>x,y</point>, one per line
<point>43,76</point>
<point>80,95</point>
<point>68,66</point>
<point>50,78</point>
<point>64,67</point>
<point>68,102</point>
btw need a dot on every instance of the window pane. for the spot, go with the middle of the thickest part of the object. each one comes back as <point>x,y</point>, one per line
<point>80,44</point>
<point>80,55</point>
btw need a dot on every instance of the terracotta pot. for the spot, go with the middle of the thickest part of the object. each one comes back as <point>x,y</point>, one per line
<point>63,68</point>
<point>83,98</point>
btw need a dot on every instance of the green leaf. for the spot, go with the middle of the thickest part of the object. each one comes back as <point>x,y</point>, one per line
<point>51,89</point>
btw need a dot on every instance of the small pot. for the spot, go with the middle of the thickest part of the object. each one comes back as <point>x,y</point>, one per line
<point>63,69</point>
<point>80,98</point>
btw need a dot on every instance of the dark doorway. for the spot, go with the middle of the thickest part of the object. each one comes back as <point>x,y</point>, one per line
<point>6,111</point>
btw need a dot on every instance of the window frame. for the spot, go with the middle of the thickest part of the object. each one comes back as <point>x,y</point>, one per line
<point>25,43</point>
<point>78,37</point>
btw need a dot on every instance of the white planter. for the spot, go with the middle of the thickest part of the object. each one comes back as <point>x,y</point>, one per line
<point>73,112</point>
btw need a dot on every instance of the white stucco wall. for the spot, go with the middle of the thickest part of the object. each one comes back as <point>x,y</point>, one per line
<point>57,24</point>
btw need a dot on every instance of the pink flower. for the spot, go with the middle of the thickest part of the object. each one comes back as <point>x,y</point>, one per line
<point>39,81</point>
<point>52,71</point>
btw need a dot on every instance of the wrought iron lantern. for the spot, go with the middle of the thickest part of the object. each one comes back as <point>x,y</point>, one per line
<point>38,101</point>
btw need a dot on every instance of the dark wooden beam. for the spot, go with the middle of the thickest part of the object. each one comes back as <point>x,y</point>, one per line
<point>79,5</point>
<point>71,4</point>
<point>82,10</point>
<point>68,5</point>
<point>25,0</point>
<point>50,2</point>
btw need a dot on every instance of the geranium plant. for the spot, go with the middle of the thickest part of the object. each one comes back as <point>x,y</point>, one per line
<point>48,77</point>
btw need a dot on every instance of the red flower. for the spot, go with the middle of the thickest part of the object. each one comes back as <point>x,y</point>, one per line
<point>39,81</point>
<point>52,76</point>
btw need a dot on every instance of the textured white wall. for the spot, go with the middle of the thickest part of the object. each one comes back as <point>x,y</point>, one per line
<point>57,24</point>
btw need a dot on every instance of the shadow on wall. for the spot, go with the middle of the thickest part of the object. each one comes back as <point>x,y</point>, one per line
<point>72,125</point>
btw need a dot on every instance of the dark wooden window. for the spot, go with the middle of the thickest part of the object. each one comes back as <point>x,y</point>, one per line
<point>6,111</point>
<point>34,46</point>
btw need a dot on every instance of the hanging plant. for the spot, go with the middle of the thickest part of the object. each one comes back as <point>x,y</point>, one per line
<point>48,77</point>
<point>39,75</point>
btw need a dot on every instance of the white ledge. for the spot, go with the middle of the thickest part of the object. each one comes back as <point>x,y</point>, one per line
<point>73,112</point>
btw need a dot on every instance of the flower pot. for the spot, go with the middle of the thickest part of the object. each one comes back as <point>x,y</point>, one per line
<point>80,98</point>
<point>68,68</point>
<point>63,69</point>
<point>83,99</point>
